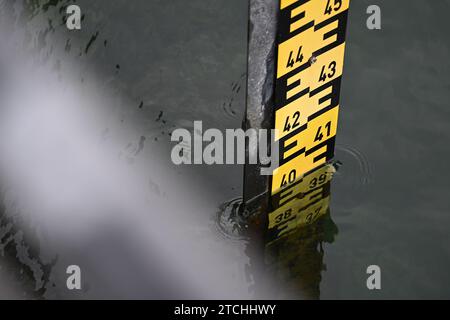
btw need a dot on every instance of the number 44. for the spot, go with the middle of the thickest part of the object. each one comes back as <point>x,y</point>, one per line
<point>291,62</point>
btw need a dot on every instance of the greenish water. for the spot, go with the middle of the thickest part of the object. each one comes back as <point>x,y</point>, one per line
<point>168,63</point>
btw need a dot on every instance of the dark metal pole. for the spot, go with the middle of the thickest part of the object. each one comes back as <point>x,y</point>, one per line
<point>260,93</point>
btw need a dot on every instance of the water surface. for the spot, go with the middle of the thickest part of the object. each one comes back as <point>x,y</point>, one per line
<point>147,67</point>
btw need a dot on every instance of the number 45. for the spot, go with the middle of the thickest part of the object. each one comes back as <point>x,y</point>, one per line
<point>336,6</point>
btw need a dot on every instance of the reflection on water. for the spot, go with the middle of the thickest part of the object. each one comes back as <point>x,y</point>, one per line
<point>286,250</point>
<point>286,254</point>
<point>295,261</point>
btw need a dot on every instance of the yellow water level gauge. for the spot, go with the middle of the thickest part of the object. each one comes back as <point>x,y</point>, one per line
<point>310,57</point>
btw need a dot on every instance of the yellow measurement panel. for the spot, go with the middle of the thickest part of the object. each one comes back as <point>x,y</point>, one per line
<point>298,217</point>
<point>310,182</point>
<point>302,203</point>
<point>310,59</point>
<point>289,211</point>
<point>318,131</point>
<point>328,67</point>
<point>309,68</point>
<point>298,50</point>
